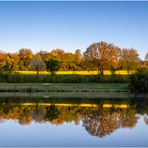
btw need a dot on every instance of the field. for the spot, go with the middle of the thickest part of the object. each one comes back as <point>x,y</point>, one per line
<point>106,72</point>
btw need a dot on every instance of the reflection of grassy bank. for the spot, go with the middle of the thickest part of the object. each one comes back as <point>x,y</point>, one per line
<point>69,95</point>
<point>63,87</point>
<point>74,98</point>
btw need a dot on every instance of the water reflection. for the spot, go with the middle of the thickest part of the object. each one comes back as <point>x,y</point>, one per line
<point>99,117</point>
<point>107,121</point>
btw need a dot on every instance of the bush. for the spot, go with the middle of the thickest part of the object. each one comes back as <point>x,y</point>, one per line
<point>139,81</point>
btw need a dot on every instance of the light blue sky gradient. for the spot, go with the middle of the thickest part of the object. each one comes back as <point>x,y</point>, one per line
<point>73,25</point>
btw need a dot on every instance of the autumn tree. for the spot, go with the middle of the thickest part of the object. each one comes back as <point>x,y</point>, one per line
<point>102,56</point>
<point>57,54</point>
<point>68,62</point>
<point>43,54</point>
<point>2,60</point>
<point>129,59</point>
<point>25,59</point>
<point>12,62</point>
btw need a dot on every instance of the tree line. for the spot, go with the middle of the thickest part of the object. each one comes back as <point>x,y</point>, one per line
<point>98,56</point>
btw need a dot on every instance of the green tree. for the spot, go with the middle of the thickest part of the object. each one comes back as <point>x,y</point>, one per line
<point>52,65</point>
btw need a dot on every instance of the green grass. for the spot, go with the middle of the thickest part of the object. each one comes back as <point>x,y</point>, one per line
<point>72,87</point>
<point>59,78</point>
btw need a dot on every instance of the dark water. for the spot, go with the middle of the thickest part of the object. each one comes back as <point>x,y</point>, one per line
<point>65,122</point>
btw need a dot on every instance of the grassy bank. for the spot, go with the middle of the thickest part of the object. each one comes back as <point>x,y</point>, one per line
<point>60,78</point>
<point>64,87</point>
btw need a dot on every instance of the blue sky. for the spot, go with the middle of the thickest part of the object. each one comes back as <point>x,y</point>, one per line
<point>73,25</point>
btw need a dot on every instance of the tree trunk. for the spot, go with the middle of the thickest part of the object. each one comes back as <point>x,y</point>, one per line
<point>37,70</point>
<point>102,71</point>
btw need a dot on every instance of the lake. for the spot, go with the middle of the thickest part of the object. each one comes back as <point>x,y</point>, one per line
<point>32,121</point>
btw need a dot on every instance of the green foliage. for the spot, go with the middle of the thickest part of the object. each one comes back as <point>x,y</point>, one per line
<point>113,79</point>
<point>5,69</point>
<point>41,78</point>
<point>139,81</point>
<point>113,70</point>
<point>52,65</point>
<point>51,113</point>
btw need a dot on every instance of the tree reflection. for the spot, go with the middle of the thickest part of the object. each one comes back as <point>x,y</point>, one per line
<point>107,122</point>
<point>129,119</point>
<point>51,113</point>
<point>101,124</point>
<point>146,119</point>
<point>97,121</point>
<point>38,113</point>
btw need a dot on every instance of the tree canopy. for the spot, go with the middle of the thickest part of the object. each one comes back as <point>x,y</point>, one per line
<point>98,56</point>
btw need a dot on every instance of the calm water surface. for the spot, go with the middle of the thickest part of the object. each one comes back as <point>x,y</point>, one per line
<point>51,122</point>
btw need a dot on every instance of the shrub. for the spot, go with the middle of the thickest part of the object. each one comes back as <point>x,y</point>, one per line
<point>139,81</point>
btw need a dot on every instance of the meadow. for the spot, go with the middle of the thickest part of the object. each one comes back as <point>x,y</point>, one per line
<point>106,72</point>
